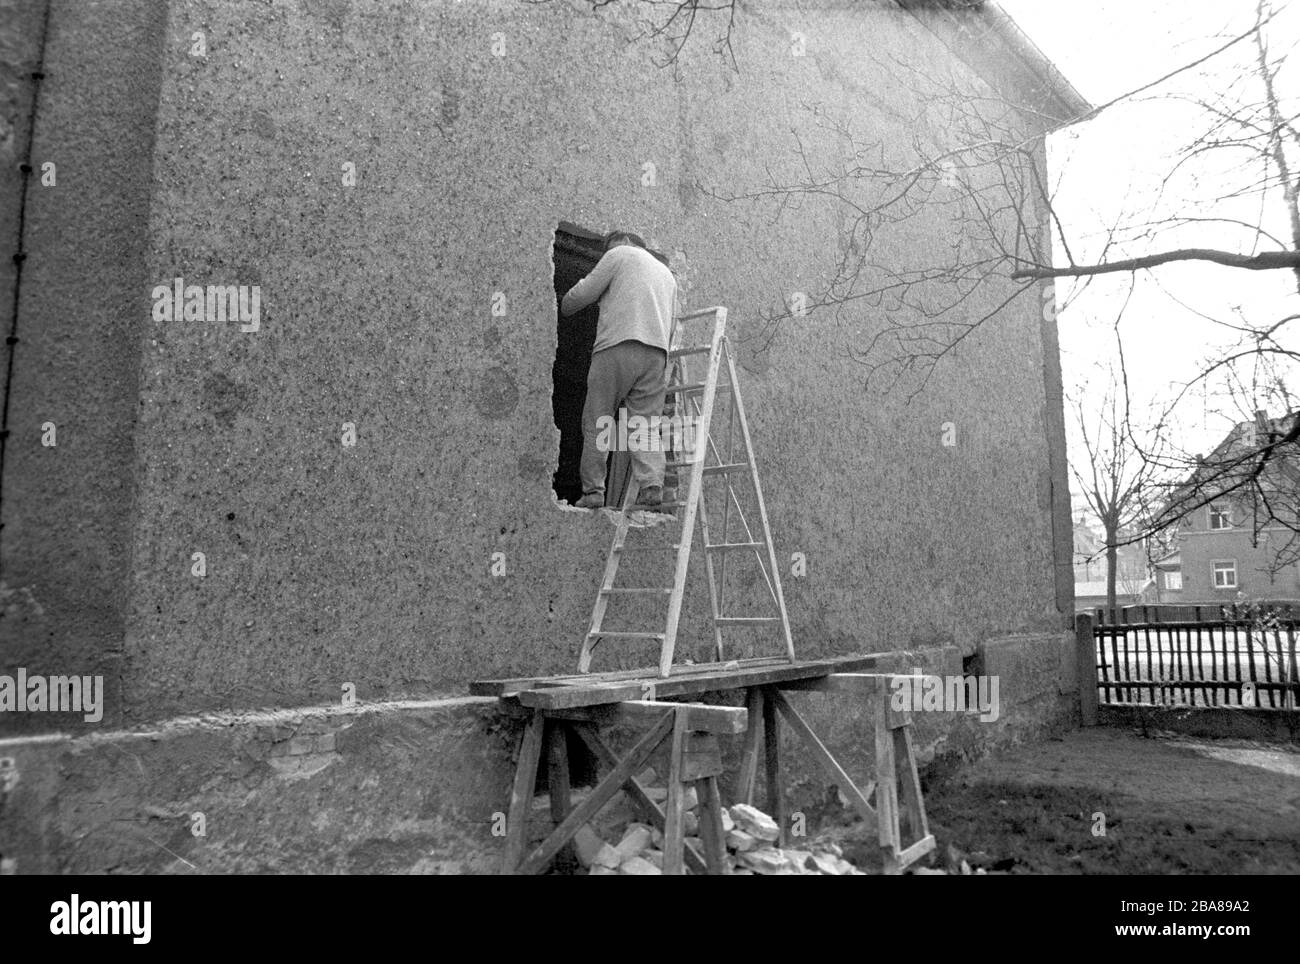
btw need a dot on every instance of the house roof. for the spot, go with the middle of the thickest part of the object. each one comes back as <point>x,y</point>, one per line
<point>1219,469</point>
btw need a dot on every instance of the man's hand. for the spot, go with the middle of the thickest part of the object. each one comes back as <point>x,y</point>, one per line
<point>589,289</point>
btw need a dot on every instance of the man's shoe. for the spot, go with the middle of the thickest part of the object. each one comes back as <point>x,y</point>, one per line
<point>650,497</point>
<point>592,500</point>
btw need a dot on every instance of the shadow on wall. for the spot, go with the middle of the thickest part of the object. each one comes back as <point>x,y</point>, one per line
<point>576,252</point>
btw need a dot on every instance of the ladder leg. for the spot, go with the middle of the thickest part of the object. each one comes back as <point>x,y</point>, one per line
<point>762,506</point>
<point>606,583</point>
<point>726,520</point>
<point>715,591</point>
<point>717,572</point>
<point>692,500</point>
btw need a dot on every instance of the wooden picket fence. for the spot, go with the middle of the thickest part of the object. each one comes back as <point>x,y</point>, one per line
<point>1194,655</point>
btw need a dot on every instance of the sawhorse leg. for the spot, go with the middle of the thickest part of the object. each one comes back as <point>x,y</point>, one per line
<point>772,759</point>
<point>896,776</point>
<point>557,781</point>
<point>764,731</point>
<point>696,760</point>
<point>748,774</point>
<point>521,794</point>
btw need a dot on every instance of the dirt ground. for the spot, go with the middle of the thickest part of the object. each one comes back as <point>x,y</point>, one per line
<point>1171,805</point>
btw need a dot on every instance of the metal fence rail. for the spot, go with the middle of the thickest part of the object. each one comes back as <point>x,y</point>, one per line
<point>1208,655</point>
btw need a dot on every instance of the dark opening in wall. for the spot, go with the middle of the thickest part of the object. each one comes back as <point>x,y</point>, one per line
<point>576,252</point>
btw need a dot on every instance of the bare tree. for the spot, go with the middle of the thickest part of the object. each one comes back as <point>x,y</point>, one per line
<point>971,167</point>
<point>673,22</point>
<point>1115,478</point>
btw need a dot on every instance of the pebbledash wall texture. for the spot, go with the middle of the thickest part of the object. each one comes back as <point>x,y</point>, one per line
<point>390,176</point>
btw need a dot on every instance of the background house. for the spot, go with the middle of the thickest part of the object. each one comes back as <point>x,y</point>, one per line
<point>1228,549</point>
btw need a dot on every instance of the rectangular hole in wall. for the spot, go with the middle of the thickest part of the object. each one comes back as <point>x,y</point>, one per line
<point>576,251</point>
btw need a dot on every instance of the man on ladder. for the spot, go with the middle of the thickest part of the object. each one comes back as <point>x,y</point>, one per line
<point>629,360</point>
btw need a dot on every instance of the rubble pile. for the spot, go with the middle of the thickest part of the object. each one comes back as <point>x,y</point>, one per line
<point>751,837</point>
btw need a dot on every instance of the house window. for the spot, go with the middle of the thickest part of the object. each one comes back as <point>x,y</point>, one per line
<point>1225,575</point>
<point>1219,518</point>
<point>1173,580</point>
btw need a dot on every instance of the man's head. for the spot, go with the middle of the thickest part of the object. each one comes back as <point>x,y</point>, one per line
<point>615,238</point>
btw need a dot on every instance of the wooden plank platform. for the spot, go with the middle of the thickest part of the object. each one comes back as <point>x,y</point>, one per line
<point>552,706</point>
<point>596,689</point>
<point>505,687</point>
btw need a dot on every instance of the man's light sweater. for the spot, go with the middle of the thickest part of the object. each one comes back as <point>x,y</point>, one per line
<point>636,295</point>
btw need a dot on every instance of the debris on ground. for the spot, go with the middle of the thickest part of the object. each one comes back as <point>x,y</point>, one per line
<point>632,848</point>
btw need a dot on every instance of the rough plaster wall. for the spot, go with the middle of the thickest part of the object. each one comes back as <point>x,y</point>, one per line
<point>67,509</point>
<point>20,54</point>
<point>308,792</point>
<point>370,565</point>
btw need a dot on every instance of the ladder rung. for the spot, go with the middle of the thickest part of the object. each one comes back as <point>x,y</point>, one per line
<point>747,620</point>
<point>723,469</point>
<point>709,469</point>
<point>701,350</point>
<point>620,589</point>
<point>673,547</point>
<point>622,635</point>
<point>686,387</point>
<point>736,545</point>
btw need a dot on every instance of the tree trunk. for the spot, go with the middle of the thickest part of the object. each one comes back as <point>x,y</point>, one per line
<point>1112,559</point>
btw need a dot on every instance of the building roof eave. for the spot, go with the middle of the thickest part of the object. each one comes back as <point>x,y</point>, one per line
<point>1064,106</point>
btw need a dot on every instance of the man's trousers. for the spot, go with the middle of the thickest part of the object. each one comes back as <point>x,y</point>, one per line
<point>632,376</point>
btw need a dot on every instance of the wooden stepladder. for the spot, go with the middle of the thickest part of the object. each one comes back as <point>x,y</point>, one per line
<point>705,455</point>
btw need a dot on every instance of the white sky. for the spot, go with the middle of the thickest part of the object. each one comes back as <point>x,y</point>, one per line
<point>1110,169</point>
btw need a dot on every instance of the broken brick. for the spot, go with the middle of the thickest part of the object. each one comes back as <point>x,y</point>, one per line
<point>740,841</point>
<point>637,866</point>
<point>755,822</point>
<point>766,861</point>
<point>586,844</point>
<point>635,840</point>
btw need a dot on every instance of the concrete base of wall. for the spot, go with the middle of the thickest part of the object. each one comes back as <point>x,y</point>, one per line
<point>1221,722</point>
<point>384,788</point>
<point>402,787</point>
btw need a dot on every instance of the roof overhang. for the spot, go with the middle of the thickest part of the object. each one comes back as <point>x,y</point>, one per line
<point>970,27</point>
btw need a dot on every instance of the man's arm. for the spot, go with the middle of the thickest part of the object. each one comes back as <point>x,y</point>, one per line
<point>590,288</point>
